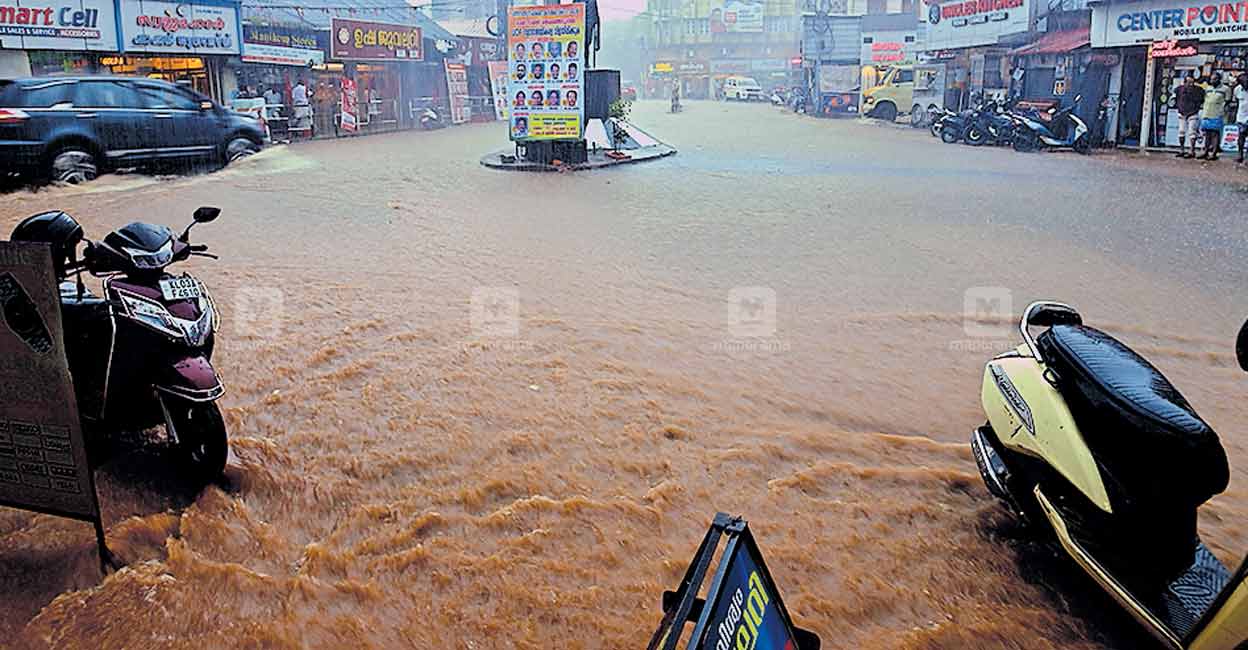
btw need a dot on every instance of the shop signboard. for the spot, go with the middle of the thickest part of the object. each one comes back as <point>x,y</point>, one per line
<point>953,24</point>
<point>693,67</point>
<point>281,46</point>
<point>359,40</point>
<point>70,25</point>
<point>158,26</point>
<point>735,16</point>
<point>498,86</point>
<point>769,65</point>
<point>661,67</point>
<point>730,67</point>
<point>348,119</point>
<point>887,48</point>
<point>43,461</point>
<point>457,88</point>
<point>1147,21</point>
<point>545,44</point>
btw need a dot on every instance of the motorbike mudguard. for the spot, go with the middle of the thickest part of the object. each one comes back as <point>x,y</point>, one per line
<point>1031,417</point>
<point>192,378</point>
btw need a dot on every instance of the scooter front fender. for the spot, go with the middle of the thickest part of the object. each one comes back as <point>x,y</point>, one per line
<point>191,378</point>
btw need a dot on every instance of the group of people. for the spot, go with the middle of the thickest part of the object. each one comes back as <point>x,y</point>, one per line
<point>1202,107</point>
<point>542,72</point>
<point>550,100</point>
<point>551,50</point>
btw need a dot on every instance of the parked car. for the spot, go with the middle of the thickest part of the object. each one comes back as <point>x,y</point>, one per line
<point>71,129</point>
<point>629,93</point>
<point>743,88</point>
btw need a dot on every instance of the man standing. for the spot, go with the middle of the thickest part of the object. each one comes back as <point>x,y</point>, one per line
<point>1213,116</point>
<point>1241,114</point>
<point>1189,99</point>
<point>302,112</point>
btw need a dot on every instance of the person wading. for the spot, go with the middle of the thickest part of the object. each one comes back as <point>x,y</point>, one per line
<point>1189,99</point>
<point>1213,116</point>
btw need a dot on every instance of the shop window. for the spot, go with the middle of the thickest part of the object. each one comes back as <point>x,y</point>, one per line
<point>992,72</point>
<point>106,94</point>
<point>904,75</point>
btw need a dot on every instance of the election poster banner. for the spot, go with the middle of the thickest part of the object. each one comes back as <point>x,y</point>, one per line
<point>545,44</point>
<point>498,87</point>
<point>349,121</point>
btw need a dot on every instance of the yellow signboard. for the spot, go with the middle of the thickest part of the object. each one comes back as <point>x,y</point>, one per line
<point>545,54</point>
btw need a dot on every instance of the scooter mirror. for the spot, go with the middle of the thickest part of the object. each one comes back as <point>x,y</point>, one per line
<point>1241,347</point>
<point>205,214</point>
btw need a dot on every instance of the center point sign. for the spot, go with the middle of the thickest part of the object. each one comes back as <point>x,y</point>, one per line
<point>1168,20</point>
<point>358,40</point>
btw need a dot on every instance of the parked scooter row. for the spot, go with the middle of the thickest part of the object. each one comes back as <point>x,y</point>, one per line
<point>1002,123</point>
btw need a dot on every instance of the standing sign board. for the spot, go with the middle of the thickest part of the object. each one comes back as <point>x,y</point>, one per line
<point>157,26</point>
<point>498,86</point>
<point>349,118</point>
<point>742,608</point>
<point>457,87</point>
<point>545,48</point>
<point>70,25</point>
<point>43,462</point>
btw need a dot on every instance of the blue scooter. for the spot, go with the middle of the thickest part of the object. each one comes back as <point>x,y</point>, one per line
<point>1063,129</point>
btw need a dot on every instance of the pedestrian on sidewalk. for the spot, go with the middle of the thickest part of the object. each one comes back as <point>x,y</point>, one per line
<point>1241,113</point>
<point>1213,116</point>
<point>303,112</point>
<point>1189,99</point>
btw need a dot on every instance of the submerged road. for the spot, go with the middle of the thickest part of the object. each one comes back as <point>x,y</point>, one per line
<point>482,409</point>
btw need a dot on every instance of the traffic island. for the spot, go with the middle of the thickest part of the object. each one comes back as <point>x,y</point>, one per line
<point>608,143</point>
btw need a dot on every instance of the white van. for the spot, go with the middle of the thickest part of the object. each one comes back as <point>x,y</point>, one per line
<point>743,89</point>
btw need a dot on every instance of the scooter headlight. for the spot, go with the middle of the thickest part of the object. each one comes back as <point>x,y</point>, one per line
<point>151,314</point>
<point>151,260</point>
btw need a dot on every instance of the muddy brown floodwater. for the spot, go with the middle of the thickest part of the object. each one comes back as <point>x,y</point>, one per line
<point>403,480</point>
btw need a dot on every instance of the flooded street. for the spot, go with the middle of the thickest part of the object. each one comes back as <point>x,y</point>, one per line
<point>415,468</point>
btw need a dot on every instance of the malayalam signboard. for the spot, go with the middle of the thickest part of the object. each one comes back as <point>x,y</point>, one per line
<point>498,87</point>
<point>359,40</point>
<point>457,88</point>
<point>158,26</point>
<point>281,46</point>
<point>968,23</point>
<point>888,48</point>
<point>43,463</point>
<point>1167,20</point>
<point>71,25</point>
<point>736,16</point>
<point>545,44</point>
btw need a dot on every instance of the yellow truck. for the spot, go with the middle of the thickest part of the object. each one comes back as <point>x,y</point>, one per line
<point>906,89</point>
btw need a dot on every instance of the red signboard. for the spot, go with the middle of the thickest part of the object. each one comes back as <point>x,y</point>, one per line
<point>359,40</point>
<point>1170,50</point>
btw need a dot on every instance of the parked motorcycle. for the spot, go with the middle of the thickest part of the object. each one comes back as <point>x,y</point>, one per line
<point>140,355</point>
<point>1092,445</point>
<point>1062,129</point>
<point>430,119</point>
<point>991,123</point>
<point>938,115</point>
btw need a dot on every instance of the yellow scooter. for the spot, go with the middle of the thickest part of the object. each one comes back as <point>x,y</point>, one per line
<point>1086,439</point>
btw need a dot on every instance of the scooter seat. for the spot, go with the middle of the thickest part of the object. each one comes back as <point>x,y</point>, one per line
<point>1152,447</point>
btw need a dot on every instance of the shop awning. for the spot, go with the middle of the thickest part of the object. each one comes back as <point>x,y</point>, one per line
<point>317,14</point>
<point>1059,42</point>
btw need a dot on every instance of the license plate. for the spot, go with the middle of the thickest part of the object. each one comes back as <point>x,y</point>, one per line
<point>180,288</point>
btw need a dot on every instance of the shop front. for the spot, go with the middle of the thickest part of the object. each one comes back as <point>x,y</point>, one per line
<point>1158,42</point>
<point>659,78</point>
<point>695,79</point>
<point>974,39</point>
<point>181,42</point>
<point>1059,68</point>
<point>375,56</point>
<point>56,37</point>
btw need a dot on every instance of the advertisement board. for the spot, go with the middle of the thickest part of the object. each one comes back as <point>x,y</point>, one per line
<point>888,48</point>
<point>43,463</point>
<point>498,87</point>
<point>349,117</point>
<point>359,40</point>
<point>69,25</point>
<point>733,16</point>
<point>157,26</point>
<point>967,23</point>
<point>281,46</point>
<point>1164,20</point>
<point>545,48</point>
<point>744,614</point>
<point>457,88</point>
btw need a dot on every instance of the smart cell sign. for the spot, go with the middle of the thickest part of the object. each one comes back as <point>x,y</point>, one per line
<point>1162,20</point>
<point>179,28</point>
<point>968,23</point>
<point>58,25</point>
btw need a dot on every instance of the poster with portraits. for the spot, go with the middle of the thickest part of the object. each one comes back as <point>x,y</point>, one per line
<point>545,56</point>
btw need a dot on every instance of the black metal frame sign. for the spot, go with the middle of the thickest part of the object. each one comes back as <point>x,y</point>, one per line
<point>742,610</point>
<point>43,461</point>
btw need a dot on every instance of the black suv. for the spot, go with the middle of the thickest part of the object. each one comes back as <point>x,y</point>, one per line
<point>71,128</point>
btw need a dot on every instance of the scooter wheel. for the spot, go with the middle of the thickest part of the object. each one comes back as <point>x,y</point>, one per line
<point>974,136</point>
<point>948,135</point>
<point>1082,146</point>
<point>202,440</point>
<point>935,128</point>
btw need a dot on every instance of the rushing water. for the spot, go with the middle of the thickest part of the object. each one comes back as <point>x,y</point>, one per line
<point>408,474</point>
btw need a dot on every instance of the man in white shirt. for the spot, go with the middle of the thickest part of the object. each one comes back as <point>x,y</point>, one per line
<point>1241,114</point>
<point>303,112</point>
